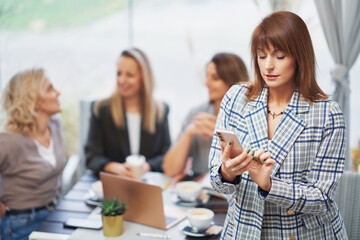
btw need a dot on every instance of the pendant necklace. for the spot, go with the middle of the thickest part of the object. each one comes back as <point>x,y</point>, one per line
<point>274,114</point>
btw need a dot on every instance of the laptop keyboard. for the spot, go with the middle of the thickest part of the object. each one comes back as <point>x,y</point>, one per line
<point>169,220</point>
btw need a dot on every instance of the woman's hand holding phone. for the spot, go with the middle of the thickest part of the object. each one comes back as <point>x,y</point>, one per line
<point>258,164</point>
<point>235,160</point>
<point>228,136</point>
<point>232,167</point>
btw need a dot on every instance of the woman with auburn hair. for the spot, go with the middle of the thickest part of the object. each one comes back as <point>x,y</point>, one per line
<point>223,71</point>
<point>282,186</point>
<point>131,121</point>
<point>32,153</point>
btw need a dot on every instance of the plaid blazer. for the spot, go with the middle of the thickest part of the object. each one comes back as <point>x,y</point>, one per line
<point>308,147</point>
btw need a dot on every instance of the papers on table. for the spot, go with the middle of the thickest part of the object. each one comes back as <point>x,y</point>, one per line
<point>48,236</point>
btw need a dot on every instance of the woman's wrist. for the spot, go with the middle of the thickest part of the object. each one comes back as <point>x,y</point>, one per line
<point>113,167</point>
<point>189,131</point>
<point>2,209</point>
<point>225,176</point>
<point>267,186</point>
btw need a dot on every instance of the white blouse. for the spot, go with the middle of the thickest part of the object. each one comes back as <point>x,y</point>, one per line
<point>47,153</point>
<point>134,127</point>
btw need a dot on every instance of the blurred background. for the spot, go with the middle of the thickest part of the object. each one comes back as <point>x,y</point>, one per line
<point>78,43</point>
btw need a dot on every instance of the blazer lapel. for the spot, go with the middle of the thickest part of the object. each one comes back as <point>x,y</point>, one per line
<point>290,127</point>
<point>256,121</point>
<point>146,141</point>
<point>124,137</point>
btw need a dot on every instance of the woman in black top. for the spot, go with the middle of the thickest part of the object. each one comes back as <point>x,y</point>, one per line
<point>129,122</point>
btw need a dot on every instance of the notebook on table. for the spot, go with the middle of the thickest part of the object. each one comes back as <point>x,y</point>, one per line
<point>144,201</point>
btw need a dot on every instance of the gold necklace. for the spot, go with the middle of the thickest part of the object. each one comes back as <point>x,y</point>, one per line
<point>274,114</point>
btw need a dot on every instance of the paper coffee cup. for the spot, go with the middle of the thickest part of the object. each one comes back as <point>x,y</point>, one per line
<point>136,163</point>
<point>98,190</point>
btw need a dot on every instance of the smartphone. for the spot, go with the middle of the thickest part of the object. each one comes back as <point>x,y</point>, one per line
<point>83,223</point>
<point>225,137</point>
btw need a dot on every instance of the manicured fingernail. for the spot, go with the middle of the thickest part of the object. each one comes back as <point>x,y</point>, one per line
<point>254,159</point>
<point>230,143</point>
<point>248,150</point>
<point>253,152</point>
<point>260,163</point>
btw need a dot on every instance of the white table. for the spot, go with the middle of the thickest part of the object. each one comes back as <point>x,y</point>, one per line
<point>130,231</point>
<point>130,228</point>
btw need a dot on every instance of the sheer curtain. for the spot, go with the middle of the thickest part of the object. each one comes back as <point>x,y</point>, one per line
<point>340,20</point>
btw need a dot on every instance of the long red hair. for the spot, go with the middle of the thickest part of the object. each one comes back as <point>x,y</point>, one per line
<point>287,32</point>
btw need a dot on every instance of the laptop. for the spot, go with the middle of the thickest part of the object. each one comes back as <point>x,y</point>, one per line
<point>144,201</point>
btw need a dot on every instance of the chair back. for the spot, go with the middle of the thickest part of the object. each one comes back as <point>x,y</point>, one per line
<point>348,200</point>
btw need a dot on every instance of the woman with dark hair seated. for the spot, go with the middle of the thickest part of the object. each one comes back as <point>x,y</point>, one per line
<point>223,71</point>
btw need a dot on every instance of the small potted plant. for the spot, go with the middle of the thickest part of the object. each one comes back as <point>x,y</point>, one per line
<point>112,213</point>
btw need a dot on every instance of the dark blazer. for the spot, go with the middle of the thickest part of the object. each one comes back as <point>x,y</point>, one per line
<point>106,142</point>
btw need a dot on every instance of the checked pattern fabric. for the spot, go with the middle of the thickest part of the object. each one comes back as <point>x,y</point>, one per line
<point>308,147</point>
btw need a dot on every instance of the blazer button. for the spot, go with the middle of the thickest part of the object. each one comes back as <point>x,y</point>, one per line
<point>290,212</point>
<point>292,237</point>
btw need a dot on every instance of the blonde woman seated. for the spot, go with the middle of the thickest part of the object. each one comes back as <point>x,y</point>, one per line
<point>129,122</point>
<point>32,153</point>
<point>223,71</point>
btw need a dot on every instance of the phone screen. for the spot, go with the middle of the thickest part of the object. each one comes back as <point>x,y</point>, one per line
<point>83,223</point>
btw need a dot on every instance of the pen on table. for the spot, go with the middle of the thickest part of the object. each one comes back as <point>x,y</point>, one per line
<point>154,235</point>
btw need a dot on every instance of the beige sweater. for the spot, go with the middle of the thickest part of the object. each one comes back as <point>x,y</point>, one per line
<point>27,180</point>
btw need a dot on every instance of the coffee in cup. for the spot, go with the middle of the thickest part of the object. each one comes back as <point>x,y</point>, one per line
<point>188,190</point>
<point>200,218</point>
<point>136,163</point>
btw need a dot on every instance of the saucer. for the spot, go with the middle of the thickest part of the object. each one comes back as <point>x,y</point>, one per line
<point>179,201</point>
<point>91,198</point>
<point>93,202</point>
<point>213,230</point>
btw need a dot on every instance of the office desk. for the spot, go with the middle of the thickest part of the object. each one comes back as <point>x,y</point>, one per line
<point>73,205</point>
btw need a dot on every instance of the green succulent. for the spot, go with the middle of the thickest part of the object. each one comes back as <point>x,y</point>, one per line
<point>112,207</point>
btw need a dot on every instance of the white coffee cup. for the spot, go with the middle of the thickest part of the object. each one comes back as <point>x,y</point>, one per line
<point>136,163</point>
<point>200,218</point>
<point>188,190</point>
<point>98,189</point>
